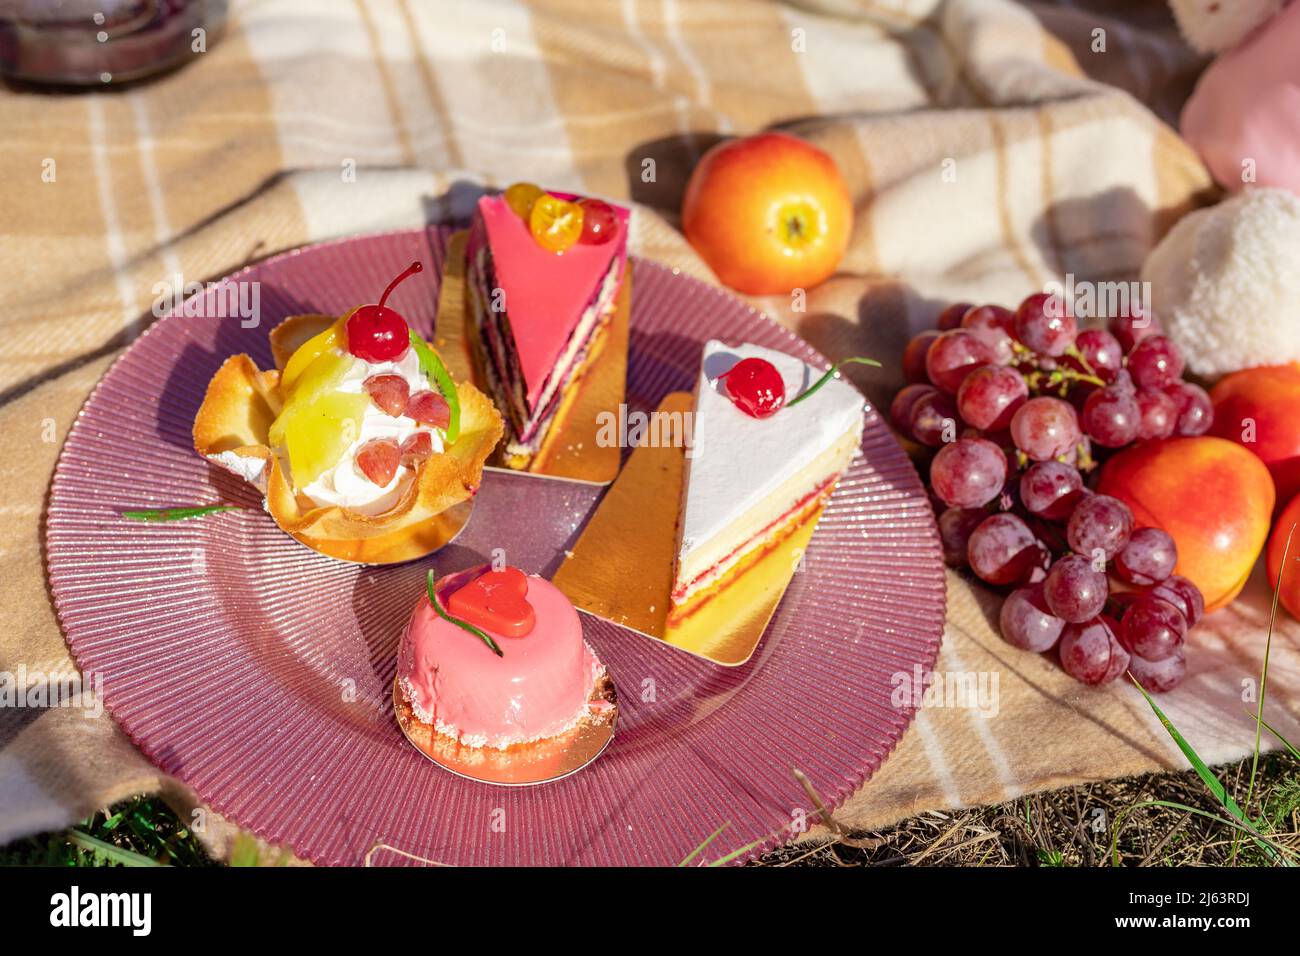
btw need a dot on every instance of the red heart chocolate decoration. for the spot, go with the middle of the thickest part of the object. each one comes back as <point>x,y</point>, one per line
<point>497,602</point>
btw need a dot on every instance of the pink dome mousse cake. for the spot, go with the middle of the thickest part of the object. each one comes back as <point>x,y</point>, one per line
<point>538,686</point>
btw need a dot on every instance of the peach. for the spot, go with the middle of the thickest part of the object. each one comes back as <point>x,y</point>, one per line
<point>1212,496</point>
<point>1257,408</point>
<point>1289,593</point>
<point>769,213</point>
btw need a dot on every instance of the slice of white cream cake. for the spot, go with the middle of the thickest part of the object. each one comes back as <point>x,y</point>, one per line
<point>751,481</point>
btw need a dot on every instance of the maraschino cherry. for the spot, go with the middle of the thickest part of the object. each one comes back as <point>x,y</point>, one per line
<point>377,334</point>
<point>755,387</point>
<point>599,222</point>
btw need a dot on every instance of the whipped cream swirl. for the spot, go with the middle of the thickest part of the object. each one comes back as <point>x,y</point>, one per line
<point>344,485</point>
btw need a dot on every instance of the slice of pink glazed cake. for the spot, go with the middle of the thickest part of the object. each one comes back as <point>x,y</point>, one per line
<point>543,272</point>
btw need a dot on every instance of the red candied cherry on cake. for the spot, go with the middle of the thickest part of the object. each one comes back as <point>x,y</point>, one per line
<point>599,222</point>
<point>496,601</point>
<point>755,386</point>
<point>377,333</point>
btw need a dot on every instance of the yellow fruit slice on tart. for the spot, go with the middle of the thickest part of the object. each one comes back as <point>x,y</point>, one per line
<point>360,435</point>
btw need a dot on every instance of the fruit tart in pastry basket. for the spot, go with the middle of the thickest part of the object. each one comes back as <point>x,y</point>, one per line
<point>363,446</point>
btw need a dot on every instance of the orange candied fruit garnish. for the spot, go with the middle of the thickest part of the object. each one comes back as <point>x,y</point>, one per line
<point>556,224</point>
<point>520,198</point>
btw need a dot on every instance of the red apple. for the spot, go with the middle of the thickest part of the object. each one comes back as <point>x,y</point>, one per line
<point>1289,592</point>
<point>769,213</point>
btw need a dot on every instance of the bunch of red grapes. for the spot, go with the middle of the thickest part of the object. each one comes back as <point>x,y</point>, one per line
<point>1022,407</point>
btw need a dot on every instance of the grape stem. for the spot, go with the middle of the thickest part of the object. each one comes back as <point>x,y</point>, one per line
<point>1058,376</point>
<point>1072,350</point>
<point>830,374</point>
<point>1084,460</point>
<point>1040,381</point>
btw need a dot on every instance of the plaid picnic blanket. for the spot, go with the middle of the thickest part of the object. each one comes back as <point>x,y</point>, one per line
<point>312,119</point>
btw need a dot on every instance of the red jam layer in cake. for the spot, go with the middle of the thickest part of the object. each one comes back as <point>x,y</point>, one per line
<point>774,531</point>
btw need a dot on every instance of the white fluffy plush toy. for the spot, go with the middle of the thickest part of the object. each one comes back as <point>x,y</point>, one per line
<point>1224,282</point>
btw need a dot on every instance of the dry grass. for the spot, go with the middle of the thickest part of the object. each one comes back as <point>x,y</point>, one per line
<point>1075,827</point>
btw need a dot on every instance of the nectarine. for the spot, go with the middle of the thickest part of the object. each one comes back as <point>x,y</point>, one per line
<point>1257,408</point>
<point>1289,593</point>
<point>769,213</point>
<point>1212,496</point>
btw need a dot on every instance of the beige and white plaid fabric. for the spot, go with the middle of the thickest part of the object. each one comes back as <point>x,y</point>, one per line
<point>1054,118</point>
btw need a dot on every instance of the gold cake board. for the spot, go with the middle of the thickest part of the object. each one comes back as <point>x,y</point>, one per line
<point>570,449</point>
<point>540,761</point>
<point>621,567</point>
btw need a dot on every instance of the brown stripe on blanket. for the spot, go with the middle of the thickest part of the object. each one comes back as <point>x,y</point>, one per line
<point>451,156</point>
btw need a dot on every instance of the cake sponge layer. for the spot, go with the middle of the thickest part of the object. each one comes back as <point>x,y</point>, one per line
<point>746,475</point>
<point>708,562</point>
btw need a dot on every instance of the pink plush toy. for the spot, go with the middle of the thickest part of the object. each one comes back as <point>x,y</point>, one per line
<point>1244,116</point>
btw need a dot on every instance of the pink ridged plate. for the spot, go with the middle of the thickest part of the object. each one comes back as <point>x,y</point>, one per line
<point>259,672</point>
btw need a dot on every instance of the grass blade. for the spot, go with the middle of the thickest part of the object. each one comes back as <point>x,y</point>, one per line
<point>723,861</point>
<point>177,514</point>
<point>108,851</point>
<point>1290,747</point>
<point>703,846</point>
<point>1212,782</point>
<point>1263,682</point>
